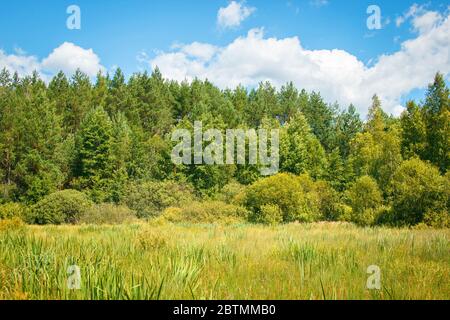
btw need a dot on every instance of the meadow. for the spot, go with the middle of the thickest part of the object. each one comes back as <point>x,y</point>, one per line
<point>241,261</point>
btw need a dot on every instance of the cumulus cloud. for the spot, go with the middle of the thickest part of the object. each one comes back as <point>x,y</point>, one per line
<point>421,19</point>
<point>20,63</point>
<point>67,58</point>
<point>233,15</point>
<point>427,21</point>
<point>197,50</point>
<point>337,74</point>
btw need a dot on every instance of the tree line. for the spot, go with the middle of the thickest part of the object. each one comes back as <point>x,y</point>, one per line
<point>110,137</point>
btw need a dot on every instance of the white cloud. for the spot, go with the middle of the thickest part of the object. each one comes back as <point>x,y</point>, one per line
<point>427,21</point>
<point>337,74</point>
<point>233,15</point>
<point>20,63</point>
<point>197,50</point>
<point>67,58</point>
<point>412,11</point>
<point>421,19</point>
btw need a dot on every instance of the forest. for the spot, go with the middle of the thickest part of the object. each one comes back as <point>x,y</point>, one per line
<point>73,150</point>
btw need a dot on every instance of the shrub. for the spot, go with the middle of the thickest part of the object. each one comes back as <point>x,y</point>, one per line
<point>418,189</point>
<point>206,212</point>
<point>270,214</point>
<point>60,207</point>
<point>287,192</point>
<point>384,216</point>
<point>7,192</point>
<point>344,213</point>
<point>14,224</point>
<point>364,197</point>
<point>152,240</point>
<point>107,213</point>
<point>149,199</point>
<point>440,219</point>
<point>12,210</point>
<point>232,192</point>
<point>329,201</point>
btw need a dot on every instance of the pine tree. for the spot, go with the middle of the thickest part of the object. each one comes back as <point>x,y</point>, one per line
<point>414,131</point>
<point>94,162</point>
<point>300,151</point>
<point>437,117</point>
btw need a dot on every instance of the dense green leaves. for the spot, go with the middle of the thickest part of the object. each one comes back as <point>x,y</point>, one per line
<point>111,139</point>
<point>418,190</point>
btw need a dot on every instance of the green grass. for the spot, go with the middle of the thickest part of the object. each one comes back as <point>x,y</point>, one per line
<point>144,261</point>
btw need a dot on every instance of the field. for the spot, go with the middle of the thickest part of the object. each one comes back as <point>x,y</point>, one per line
<point>148,261</point>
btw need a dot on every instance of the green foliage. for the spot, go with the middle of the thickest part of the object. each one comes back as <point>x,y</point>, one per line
<point>329,201</point>
<point>107,139</point>
<point>232,192</point>
<point>437,118</point>
<point>12,210</point>
<point>94,159</point>
<point>348,126</point>
<point>287,192</point>
<point>437,219</point>
<point>107,213</point>
<point>11,225</point>
<point>270,214</point>
<point>364,197</point>
<point>417,190</point>
<point>300,151</point>
<point>414,134</point>
<point>321,118</point>
<point>60,207</point>
<point>206,212</point>
<point>149,199</point>
<point>377,151</point>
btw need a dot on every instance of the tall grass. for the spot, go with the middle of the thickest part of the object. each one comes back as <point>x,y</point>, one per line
<point>144,261</point>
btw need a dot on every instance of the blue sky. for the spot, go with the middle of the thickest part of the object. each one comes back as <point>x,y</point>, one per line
<point>120,31</point>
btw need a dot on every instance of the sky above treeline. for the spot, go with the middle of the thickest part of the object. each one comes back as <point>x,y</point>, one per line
<point>346,49</point>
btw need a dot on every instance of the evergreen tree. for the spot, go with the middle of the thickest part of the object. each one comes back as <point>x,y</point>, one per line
<point>414,131</point>
<point>94,163</point>
<point>300,151</point>
<point>437,117</point>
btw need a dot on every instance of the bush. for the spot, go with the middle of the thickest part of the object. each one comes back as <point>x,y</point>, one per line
<point>344,213</point>
<point>14,224</point>
<point>329,201</point>
<point>440,219</point>
<point>7,192</point>
<point>384,216</point>
<point>152,240</point>
<point>149,199</point>
<point>232,192</point>
<point>287,192</point>
<point>417,189</point>
<point>270,214</point>
<point>107,213</point>
<point>60,207</point>
<point>12,210</point>
<point>364,197</point>
<point>206,212</point>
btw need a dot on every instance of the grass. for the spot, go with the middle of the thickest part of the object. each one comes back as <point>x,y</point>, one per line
<point>297,261</point>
